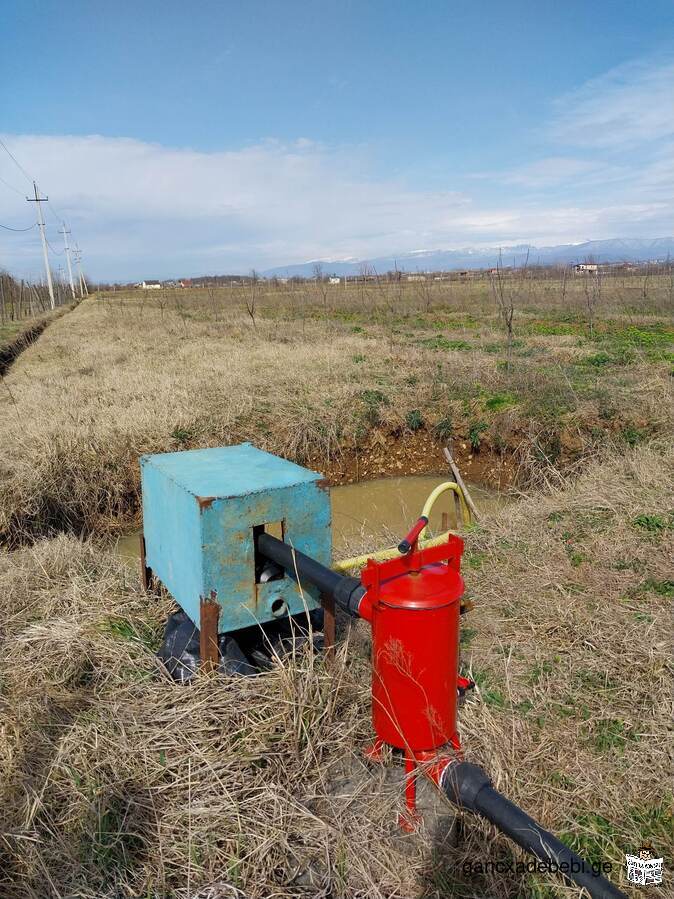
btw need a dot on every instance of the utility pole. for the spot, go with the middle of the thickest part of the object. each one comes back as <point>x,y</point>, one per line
<point>40,223</point>
<point>83,284</point>
<point>67,248</point>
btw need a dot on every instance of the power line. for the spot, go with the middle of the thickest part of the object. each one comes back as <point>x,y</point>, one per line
<point>55,252</point>
<point>58,217</point>
<point>15,160</point>
<point>41,224</point>
<point>7,228</point>
<point>11,187</point>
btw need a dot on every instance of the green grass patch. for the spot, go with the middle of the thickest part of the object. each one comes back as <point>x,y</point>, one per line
<point>491,695</point>
<point>653,524</point>
<point>443,343</point>
<point>643,336</point>
<point>603,357</point>
<point>467,635</point>
<point>611,733</point>
<point>475,560</point>
<point>660,588</point>
<point>539,671</point>
<point>475,430</point>
<point>414,420</point>
<point>132,631</point>
<point>182,435</point>
<point>559,779</point>
<point>592,837</point>
<point>499,401</point>
<point>444,428</point>
<point>553,328</point>
<point>632,435</point>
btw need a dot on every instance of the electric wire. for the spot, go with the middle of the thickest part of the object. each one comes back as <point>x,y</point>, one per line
<point>59,218</point>
<point>15,160</point>
<point>11,187</point>
<point>31,181</point>
<point>7,228</point>
<point>55,252</point>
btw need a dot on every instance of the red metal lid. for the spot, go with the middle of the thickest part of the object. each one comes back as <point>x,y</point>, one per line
<point>432,587</point>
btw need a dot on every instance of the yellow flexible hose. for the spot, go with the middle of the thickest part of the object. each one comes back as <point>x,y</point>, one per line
<point>382,554</point>
<point>439,490</point>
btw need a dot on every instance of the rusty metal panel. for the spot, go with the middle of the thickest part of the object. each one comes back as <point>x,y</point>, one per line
<point>199,511</point>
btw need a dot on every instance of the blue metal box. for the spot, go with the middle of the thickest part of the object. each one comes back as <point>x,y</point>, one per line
<point>199,511</point>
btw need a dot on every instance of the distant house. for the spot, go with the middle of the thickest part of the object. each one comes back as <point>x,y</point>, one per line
<point>416,277</point>
<point>151,285</point>
<point>586,268</point>
<point>335,280</point>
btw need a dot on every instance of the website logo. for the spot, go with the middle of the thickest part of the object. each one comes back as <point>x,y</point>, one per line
<point>643,869</point>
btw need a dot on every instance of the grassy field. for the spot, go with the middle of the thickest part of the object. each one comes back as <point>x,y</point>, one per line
<point>115,782</point>
<point>342,383</point>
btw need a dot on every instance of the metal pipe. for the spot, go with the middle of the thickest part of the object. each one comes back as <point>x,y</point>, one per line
<point>346,591</point>
<point>470,787</point>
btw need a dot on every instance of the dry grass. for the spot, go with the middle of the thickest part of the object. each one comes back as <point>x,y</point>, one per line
<point>116,782</point>
<point>127,374</point>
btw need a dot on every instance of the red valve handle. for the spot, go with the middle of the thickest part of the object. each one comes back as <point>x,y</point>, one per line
<point>406,545</point>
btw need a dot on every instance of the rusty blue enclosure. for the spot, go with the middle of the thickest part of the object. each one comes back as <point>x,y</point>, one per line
<point>201,509</point>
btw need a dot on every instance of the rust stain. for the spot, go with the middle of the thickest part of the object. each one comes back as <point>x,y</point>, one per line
<point>205,501</point>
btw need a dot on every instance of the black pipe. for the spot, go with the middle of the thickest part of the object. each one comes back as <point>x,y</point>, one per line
<point>346,591</point>
<point>470,787</point>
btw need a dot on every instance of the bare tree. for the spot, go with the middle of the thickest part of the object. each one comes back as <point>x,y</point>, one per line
<point>321,283</point>
<point>592,287</point>
<point>251,296</point>
<point>504,294</point>
<point>424,290</point>
<point>644,286</point>
<point>20,300</point>
<point>565,274</point>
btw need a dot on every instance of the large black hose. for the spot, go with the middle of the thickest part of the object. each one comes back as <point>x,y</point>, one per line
<point>346,591</point>
<point>470,787</point>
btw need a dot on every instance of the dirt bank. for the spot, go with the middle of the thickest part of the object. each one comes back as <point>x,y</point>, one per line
<point>13,348</point>
<point>385,454</point>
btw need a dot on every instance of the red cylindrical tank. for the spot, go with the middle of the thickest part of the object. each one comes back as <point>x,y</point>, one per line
<point>413,604</point>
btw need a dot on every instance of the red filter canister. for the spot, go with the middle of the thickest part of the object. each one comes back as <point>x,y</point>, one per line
<point>413,604</point>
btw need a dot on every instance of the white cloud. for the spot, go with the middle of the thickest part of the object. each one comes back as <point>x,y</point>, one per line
<point>630,105</point>
<point>555,170</point>
<point>145,210</point>
<point>131,201</point>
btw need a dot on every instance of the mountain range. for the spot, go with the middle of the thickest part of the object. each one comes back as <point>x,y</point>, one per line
<point>616,250</point>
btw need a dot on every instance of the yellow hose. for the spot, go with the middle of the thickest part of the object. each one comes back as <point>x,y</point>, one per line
<point>439,490</point>
<point>382,554</point>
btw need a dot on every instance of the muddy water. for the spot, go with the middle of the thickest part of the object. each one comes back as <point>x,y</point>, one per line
<point>383,509</point>
<point>389,506</point>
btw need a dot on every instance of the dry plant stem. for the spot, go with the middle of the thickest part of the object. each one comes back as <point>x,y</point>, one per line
<point>454,468</point>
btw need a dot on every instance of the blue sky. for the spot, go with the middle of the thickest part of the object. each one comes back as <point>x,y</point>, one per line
<point>184,138</point>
